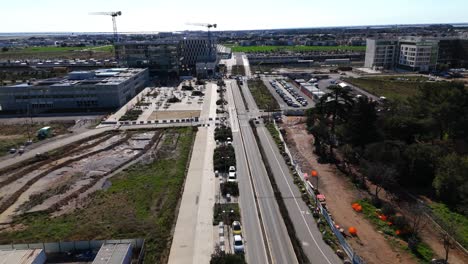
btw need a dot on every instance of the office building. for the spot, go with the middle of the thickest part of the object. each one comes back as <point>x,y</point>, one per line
<point>160,56</point>
<point>173,56</point>
<point>78,91</point>
<point>381,53</point>
<point>416,53</point>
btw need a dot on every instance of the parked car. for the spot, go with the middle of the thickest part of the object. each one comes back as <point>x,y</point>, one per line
<point>238,244</point>
<point>232,174</point>
<point>236,228</point>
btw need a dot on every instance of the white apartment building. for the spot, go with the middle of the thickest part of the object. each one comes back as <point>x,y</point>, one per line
<point>417,54</point>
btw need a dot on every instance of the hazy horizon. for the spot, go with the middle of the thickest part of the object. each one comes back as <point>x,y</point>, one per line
<point>30,16</point>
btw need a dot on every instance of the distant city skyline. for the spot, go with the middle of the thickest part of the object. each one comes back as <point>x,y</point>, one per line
<point>147,15</point>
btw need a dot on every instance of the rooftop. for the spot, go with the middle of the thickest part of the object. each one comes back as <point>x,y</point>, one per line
<point>26,256</point>
<point>112,76</point>
<point>112,254</point>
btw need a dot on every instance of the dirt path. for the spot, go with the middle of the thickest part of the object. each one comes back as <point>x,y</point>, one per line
<point>370,245</point>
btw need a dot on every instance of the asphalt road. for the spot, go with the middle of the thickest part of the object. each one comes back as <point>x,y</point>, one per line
<point>278,244</point>
<point>304,224</point>
<point>251,225</point>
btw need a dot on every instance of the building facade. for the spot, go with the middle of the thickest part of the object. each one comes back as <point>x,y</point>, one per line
<point>161,57</point>
<point>380,53</point>
<point>175,56</point>
<point>416,53</point>
<point>78,91</point>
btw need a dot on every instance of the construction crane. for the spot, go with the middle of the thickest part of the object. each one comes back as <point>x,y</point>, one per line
<point>114,22</point>
<point>208,26</point>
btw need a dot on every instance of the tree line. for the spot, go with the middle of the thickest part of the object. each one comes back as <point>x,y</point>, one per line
<point>419,143</point>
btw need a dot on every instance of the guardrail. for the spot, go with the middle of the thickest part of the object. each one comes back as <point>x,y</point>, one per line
<point>309,187</point>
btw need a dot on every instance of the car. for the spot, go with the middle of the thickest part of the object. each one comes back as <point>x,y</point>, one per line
<point>238,244</point>
<point>236,228</point>
<point>232,174</point>
<point>12,151</point>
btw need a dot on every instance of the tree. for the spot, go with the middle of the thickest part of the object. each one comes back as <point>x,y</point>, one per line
<point>381,175</point>
<point>421,160</point>
<point>335,106</point>
<point>451,181</point>
<point>5,49</point>
<point>416,221</point>
<point>447,235</point>
<point>361,129</point>
<point>445,104</point>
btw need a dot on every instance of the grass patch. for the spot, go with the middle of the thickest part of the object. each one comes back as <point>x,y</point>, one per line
<point>447,218</point>
<point>390,87</point>
<point>301,49</point>
<point>52,52</point>
<point>423,252</point>
<point>262,95</point>
<point>141,202</point>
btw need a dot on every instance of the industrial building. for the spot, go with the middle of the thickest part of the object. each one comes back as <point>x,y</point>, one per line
<point>78,91</point>
<point>173,56</point>
<point>114,254</point>
<point>416,53</point>
<point>22,256</point>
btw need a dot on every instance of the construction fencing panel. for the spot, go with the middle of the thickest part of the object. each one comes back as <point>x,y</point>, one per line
<point>309,187</point>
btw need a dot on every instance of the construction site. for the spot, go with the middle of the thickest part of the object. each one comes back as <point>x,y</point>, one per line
<point>73,185</point>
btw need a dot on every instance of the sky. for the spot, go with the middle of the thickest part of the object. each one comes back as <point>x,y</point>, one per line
<point>172,15</point>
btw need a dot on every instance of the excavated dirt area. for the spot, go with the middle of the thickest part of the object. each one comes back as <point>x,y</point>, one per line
<point>56,183</point>
<point>340,194</point>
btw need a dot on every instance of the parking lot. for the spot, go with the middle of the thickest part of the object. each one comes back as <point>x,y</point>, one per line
<point>287,95</point>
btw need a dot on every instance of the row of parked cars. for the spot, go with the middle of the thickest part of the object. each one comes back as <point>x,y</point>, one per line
<point>286,98</point>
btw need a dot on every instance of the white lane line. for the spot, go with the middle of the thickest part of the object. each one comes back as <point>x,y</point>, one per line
<point>295,200</point>
<point>257,210</point>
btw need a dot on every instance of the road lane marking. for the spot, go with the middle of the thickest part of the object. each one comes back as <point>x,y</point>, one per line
<point>297,204</point>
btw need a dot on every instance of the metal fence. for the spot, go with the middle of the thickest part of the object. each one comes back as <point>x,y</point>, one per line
<point>343,243</point>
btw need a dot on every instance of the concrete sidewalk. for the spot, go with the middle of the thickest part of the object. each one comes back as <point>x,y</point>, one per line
<point>193,240</point>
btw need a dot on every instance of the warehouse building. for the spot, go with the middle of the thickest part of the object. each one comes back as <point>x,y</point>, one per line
<point>78,91</point>
<point>25,256</point>
<point>114,254</point>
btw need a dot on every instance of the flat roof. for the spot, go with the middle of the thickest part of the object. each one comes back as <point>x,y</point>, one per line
<point>111,76</point>
<point>112,254</point>
<point>23,256</point>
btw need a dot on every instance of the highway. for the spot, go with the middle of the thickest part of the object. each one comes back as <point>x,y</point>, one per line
<point>253,177</point>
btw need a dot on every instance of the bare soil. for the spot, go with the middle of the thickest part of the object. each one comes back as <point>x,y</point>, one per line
<point>54,184</point>
<point>372,246</point>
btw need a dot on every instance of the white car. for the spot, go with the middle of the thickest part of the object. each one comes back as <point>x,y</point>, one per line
<point>232,174</point>
<point>238,244</point>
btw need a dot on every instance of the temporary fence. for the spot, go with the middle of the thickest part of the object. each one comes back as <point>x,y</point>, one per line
<point>323,211</point>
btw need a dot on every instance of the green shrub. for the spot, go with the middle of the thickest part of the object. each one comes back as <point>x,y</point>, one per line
<point>230,187</point>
